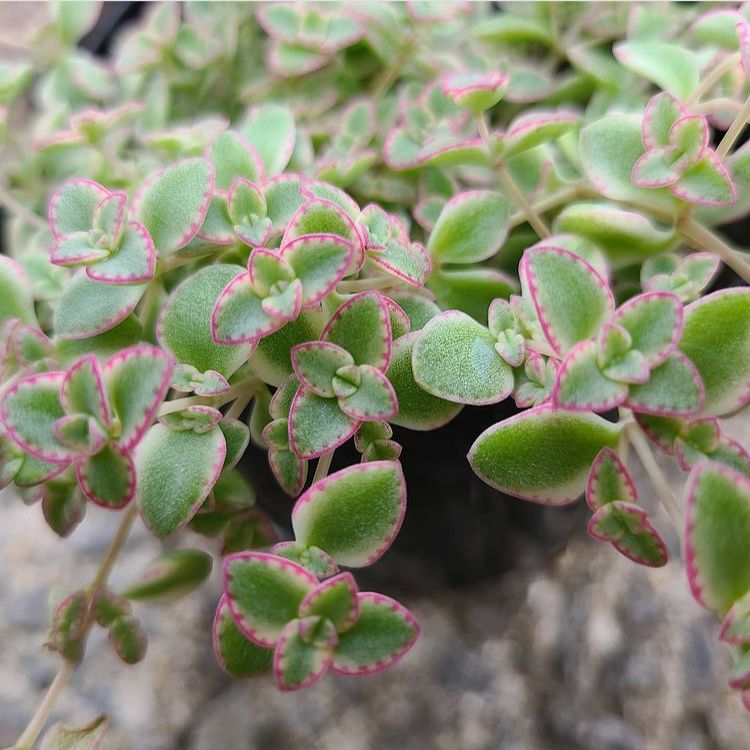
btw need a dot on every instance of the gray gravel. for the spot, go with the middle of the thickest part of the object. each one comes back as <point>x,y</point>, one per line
<point>589,652</point>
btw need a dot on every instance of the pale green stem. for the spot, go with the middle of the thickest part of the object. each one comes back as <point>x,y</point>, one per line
<point>236,409</point>
<point>39,719</point>
<point>663,489</point>
<point>323,466</point>
<point>509,184</point>
<point>737,126</point>
<point>720,104</point>
<point>712,79</point>
<point>560,198</point>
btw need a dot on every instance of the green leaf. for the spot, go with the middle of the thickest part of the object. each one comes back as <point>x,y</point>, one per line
<point>335,599</point>
<point>232,157</point>
<point>264,593</point>
<point>319,261</point>
<point>384,632</point>
<point>129,639</point>
<point>417,307</point>
<point>184,327</point>
<point>298,662</point>
<point>580,384</point>
<point>238,656</point>
<point>172,203</point>
<point>176,471</point>
<point>535,128</point>
<point>362,326</point>
<point>662,111</point>
<point>471,227</point>
<point>315,364</point>
<point>571,300</point>
<point>108,477</point>
<point>83,390</point>
<point>29,410</point>
<point>271,361</point>
<point>454,358</point>
<point>417,409</point>
<point>475,91</point>
<point>631,533</point>
<point>66,632</point>
<point>137,379</point>
<point>317,425</point>
<point>133,262</point>
<point>543,454</point>
<point>373,398</point>
<point>673,389</point>
<point>354,514</point>
<point>609,480</point>
<point>716,338</point>
<point>85,737</point>
<point>170,576</point>
<point>88,308</point>
<point>271,131</point>
<point>284,198</point>
<point>671,67</point>
<point>502,28</point>
<point>239,316</point>
<point>609,148</point>
<point>625,236</point>
<point>72,206</point>
<point>717,556</point>
<point>654,322</point>
<point>16,293</point>
<point>237,438</point>
<point>706,183</point>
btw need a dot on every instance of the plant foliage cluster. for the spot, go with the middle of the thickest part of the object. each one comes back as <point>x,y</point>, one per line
<point>299,225</point>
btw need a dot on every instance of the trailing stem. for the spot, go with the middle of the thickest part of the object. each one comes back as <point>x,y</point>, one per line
<point>640,444</point>
<point>509,184</point>
<point>703,239</point>
<point>323,466</point>
<point>737,126</point>
<point>38,721</point>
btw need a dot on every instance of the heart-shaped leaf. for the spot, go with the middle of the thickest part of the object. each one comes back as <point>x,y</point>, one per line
<point>654,321</point>
<point>176,471</point>
<point>716,338</point>
<point>170,576</point>
<point>172,203</point>
<point>284,197</point>
<point>353,515</point>
<point>319,261</point>
<point>362,326</point>
<point>662,111</point>
<point>270,129</point>
<point>609,480</point>
<point>580,384</point>
<point>631,533</point>
<point>184,326</point>
<point>417,409</point>
<point>543,454</point>
<point>137,379</point>
<point>455,359</point>
<point>72,206</point>
<point>133,262</point>
<point>238,656</point>
<point>674,389</point>
<point>471,227</point>
<point>315,364</point>
<point>264,592</point>
<point>317,425</point>
<point>384,632</point>
<point>335,599</point>
<point>108,477</point>
<point>298,662</point>
<point>717,525</point>
<point>88,308</point>
<point>706,183</point>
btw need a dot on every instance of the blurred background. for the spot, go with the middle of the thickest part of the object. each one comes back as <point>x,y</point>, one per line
<point>534,638</point>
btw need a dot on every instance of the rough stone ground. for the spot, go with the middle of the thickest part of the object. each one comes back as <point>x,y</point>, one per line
<point>586,652</point>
